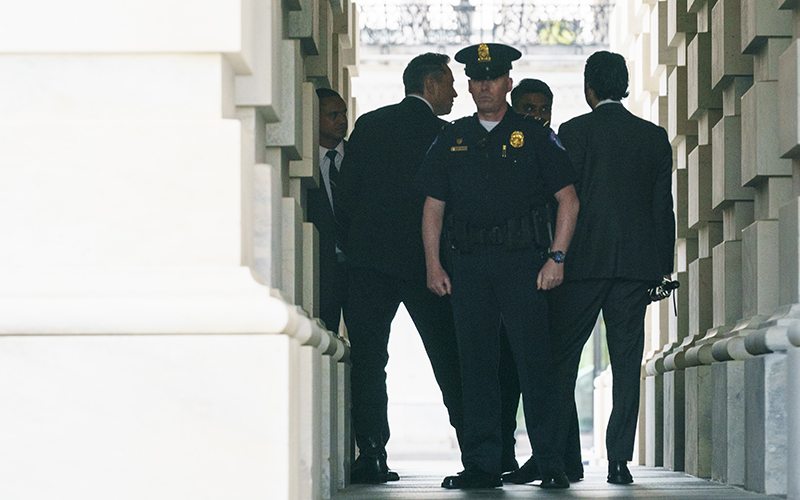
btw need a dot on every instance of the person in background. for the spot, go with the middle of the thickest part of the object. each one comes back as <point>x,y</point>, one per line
<point>322,212</point>
<point>623,245</point>
<point>382,204</point>
<point>534,98</point>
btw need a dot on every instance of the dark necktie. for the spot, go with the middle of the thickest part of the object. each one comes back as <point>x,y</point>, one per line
<point>333,173</point>
<point>333,179</point>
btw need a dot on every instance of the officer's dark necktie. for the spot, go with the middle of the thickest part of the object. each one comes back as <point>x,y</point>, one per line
<point>333,179</point>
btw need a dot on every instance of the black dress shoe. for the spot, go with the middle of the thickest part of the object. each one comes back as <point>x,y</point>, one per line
<point>509,463</point>
<point>554,479</point>
<point>618,472</point>
<point>528,473</point>
<point>575,476</point>
<point>371,470</point>
<point>471,480</point>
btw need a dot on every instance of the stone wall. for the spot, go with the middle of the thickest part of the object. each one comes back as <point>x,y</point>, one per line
<point>720,381</point>
<point>158,278</point>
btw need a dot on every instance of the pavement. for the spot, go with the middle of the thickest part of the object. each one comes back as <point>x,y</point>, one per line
<point>421,480</point>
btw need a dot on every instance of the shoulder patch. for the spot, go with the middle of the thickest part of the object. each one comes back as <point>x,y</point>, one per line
<point>435,140</point>
<point>555,140</point>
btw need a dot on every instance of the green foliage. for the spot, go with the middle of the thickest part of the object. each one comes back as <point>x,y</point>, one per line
<point>556,33</point>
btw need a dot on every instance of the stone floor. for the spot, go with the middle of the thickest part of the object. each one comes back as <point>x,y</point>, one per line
<point>420,480</point>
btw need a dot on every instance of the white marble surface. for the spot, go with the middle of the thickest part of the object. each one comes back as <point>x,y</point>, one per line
<point>99,26</point>
<point>132,417</point>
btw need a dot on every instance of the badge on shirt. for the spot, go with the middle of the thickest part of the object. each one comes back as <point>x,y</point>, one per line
<point>459,147</point>
<point>517,139</point>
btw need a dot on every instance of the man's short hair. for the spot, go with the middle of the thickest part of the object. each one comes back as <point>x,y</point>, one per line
<point>420,68</point>
<point>323,93</point>
<point>607,75</point>
<point>530,86</point>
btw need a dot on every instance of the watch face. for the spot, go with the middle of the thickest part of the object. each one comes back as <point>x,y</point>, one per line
<point>557,256</point>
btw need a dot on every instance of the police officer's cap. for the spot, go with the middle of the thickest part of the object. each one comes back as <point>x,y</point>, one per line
<point>487,61</point>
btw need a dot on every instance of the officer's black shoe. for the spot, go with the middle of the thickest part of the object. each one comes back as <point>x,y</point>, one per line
<point>618,472</point>
<point>371,470</point>
<point>528,473</point>
<point>554,479</point>
<point>472,480</point>
<point>574,476</point>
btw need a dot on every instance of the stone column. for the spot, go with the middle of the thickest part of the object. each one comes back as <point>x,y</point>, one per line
<point>158,286</point>
<point>765,32</point>
<point>789,229</point>
<point>793,421</point>
<point>681,29</point>
<point>704,106</point>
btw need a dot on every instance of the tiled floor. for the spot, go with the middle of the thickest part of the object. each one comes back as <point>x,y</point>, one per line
<point>420,480</point>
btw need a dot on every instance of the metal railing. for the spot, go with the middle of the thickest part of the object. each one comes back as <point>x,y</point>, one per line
<point>517,23</point>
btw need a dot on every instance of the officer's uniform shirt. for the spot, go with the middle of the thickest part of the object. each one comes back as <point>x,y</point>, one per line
<point>488,177</point>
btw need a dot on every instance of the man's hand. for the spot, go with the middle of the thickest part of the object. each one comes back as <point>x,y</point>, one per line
<point>551,275</point>
<point>438,281</point>
<point>432,216</point>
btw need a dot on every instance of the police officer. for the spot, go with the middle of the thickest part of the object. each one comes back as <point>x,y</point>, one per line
<point>494,171</point>
<point>531,97</point>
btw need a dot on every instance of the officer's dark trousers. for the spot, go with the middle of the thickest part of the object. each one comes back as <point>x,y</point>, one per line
<point>373,299</point>
<point>487,283</point>
<point>509,397</point>
<point>574,309</point>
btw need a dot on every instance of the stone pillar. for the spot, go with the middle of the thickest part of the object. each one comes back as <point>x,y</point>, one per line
<point>306,377</point>
<point>654,406</point>
<point>728,426</point>
<point>789,229</point>
<point>765,423</point>
<point>793,422</point>
<point>674,407</point>
<point>681,29</point>
<point>763,169</point>
<point>159,284</point>
<point>699,404</point>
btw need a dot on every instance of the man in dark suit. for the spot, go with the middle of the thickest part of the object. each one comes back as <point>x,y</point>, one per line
<point>623,243</point>
<point>321,211</point>
<point>383,202</point>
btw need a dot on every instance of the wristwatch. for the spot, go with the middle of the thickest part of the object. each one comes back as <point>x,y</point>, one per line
<point>557,256</point>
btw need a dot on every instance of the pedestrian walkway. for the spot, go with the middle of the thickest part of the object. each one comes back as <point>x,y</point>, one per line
<point>420,480</point>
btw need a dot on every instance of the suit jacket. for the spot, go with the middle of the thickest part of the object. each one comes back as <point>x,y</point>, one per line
<point>626,224</point>
<point>381,195</point>
<point>318,207</point>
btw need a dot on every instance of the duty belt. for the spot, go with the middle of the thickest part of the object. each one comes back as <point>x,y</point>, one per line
<point>494,236</point>
<point>518,233</point>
